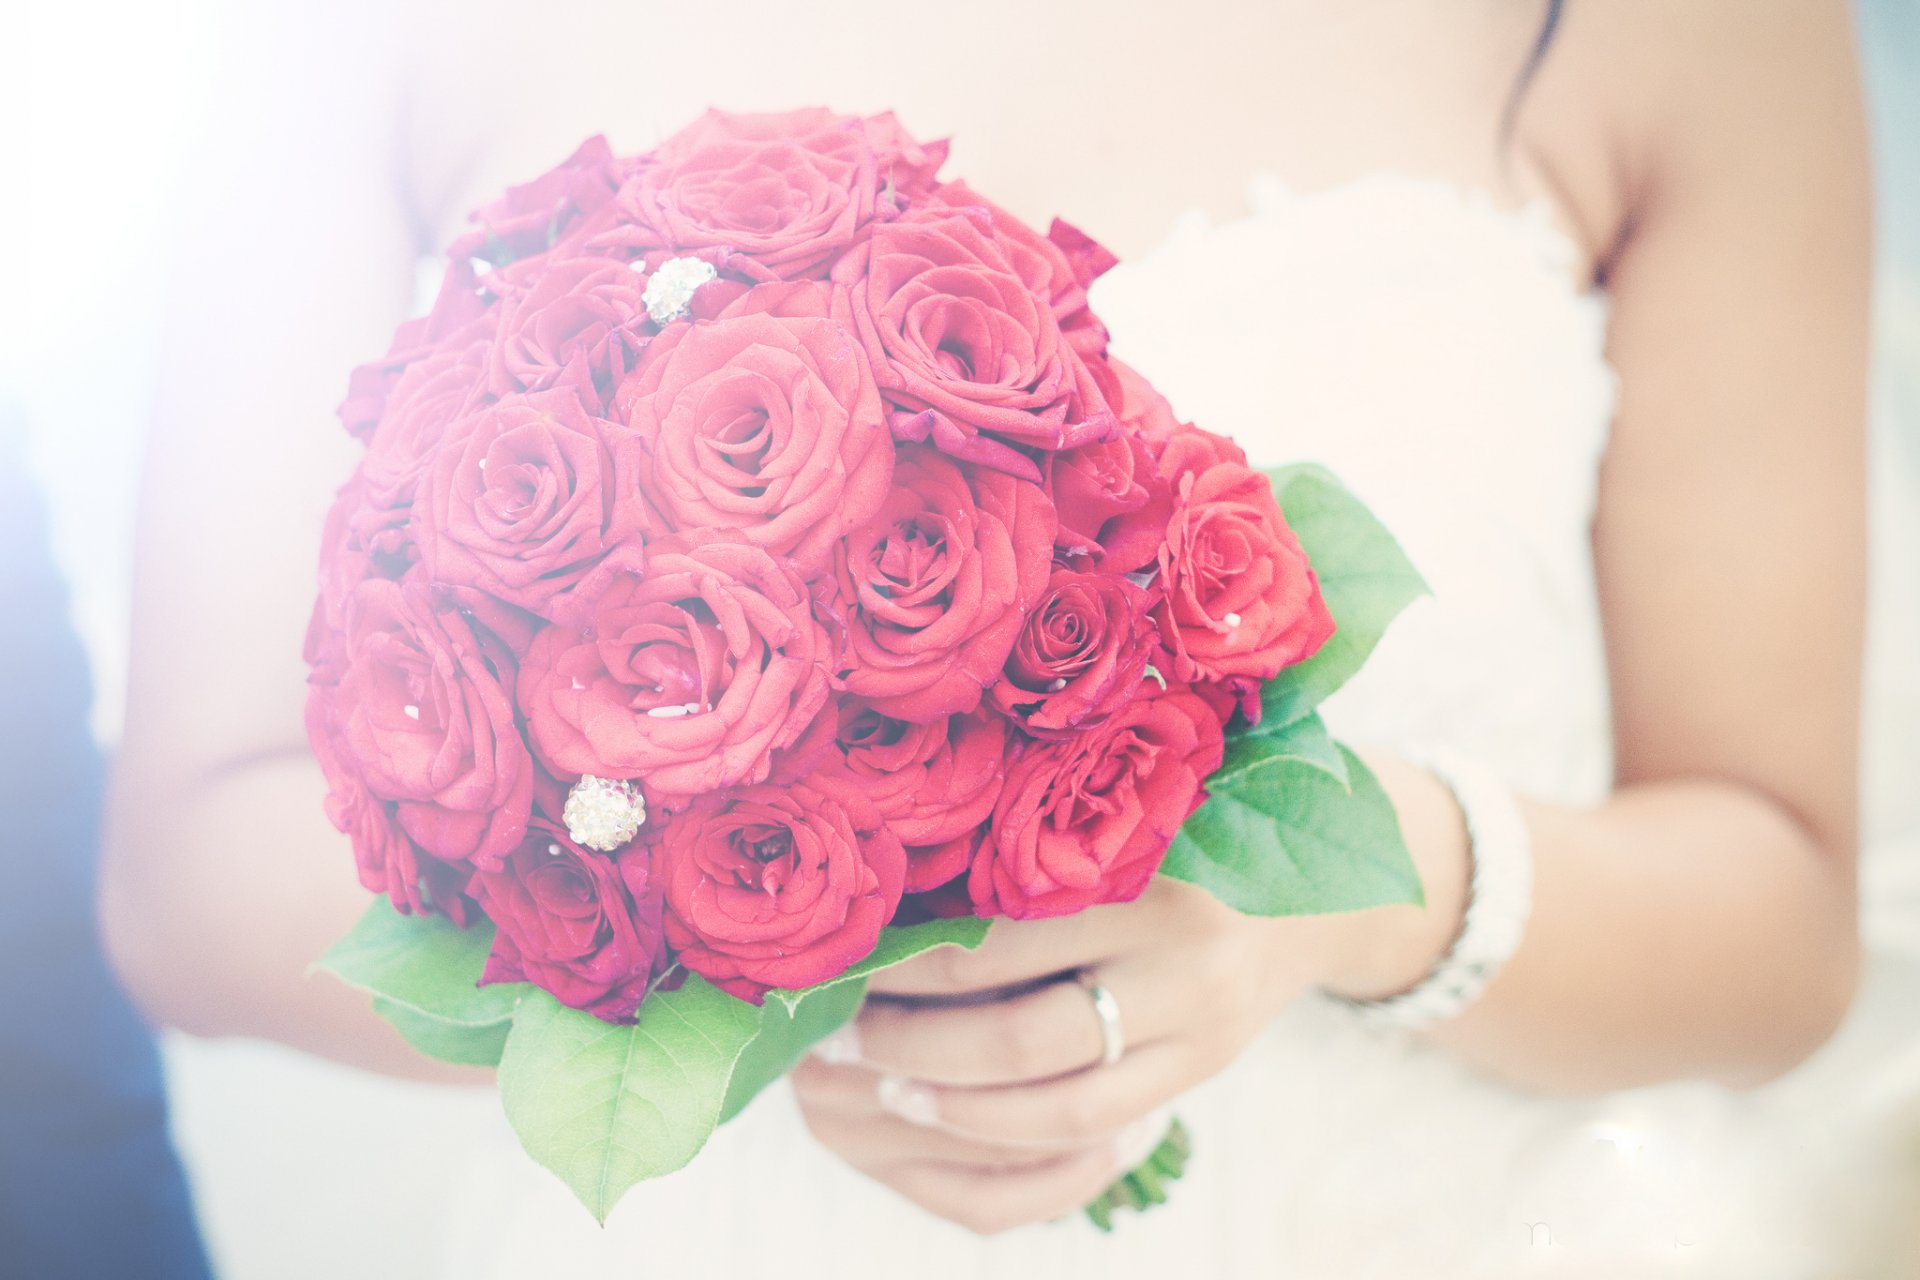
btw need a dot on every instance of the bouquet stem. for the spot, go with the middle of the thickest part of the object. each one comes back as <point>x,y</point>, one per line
<point>1146,1185</point>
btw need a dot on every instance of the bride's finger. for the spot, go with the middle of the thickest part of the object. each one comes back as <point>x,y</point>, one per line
<point>1036,1035</point>
<point>1080,1108</point>
<point>1020,951</point>
<point>849,1098</point>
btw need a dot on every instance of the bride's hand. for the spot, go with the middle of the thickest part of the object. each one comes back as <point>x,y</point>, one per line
<point>972,1082</point>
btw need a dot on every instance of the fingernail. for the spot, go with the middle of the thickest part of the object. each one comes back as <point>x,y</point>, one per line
<point>1133,1144</point>
<point>840,1048</point>
<point>908,1099</point>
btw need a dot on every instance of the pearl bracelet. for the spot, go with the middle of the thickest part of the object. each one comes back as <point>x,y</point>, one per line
<point>1499,900</point>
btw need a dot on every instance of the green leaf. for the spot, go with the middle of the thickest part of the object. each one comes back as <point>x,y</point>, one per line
<point>1290,839</point>
<point>786,1033</point>
<point>897,945</point>
<point>1364,575</point>
<point>1267,746</point>
<point>605,1106</point>
<point>792,1022</point>
<point>425,964</point>
<point>469,1046</point>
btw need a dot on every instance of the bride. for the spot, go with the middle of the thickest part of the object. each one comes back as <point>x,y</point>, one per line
<point>1572,294</point>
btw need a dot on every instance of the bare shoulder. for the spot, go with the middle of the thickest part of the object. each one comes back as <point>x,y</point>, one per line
<point>1656,67</point>
<point>1641,102</point>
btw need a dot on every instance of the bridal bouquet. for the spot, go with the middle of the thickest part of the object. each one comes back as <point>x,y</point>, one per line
<point>759,573</point>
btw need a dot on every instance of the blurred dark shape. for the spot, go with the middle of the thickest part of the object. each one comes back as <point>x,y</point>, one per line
<point>90,1187</point>
<point>1890,61</point>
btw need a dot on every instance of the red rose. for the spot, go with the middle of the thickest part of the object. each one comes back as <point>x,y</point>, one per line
<point>520,503</point>
<point>930,782</point>
<point>356,543</point>
<point>416,701</point>
<point>580,319</point>
<point>1088,259</point>
<point>1241,600</point>
<point>360,541</point>
<point>772,197</point>
<point>1113,503</point>
<point>1143,411</point>
<point>456,322</point>
<point>531,217</point>
<point>429,398</point>
<point>764,421</point>
<point>774,886</point>
<point>1058,266</point>
<point>936,584</point>
<point>931,867</point>
<point>969,357</point>
<point>387,860</point>
<point>1082,654</point>
<point>568,924</point>
<point>1087,819</point>
<point>907,167</point>
<point>688,675</point>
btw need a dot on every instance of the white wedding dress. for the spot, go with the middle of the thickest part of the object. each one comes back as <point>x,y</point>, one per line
<point>1435,352</point>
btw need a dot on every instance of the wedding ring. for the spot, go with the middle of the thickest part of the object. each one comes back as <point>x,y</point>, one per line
<point>1113,1040</point>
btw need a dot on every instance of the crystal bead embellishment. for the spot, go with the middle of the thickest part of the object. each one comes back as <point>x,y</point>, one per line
<point>603,813</point>
<point>670,290</point>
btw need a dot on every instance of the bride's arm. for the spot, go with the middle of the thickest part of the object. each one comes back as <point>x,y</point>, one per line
<point>1702,923</point>
<point>222,881</point>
